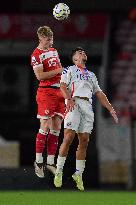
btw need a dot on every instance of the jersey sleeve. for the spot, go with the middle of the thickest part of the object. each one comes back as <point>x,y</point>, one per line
<point>96,86</point>
<point>66,76</point>
<point>35,60</point>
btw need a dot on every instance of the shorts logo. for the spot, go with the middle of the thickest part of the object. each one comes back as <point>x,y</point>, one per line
<point>69,123</point>
<point>46,112</point>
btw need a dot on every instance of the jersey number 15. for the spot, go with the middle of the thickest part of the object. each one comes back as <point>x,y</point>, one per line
<point>52,62</point>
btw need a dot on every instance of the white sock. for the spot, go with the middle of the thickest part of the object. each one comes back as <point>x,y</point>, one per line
<point>80,166</point>
<point>39,158</point>
<point>60,164</point>
<point>50,159</point>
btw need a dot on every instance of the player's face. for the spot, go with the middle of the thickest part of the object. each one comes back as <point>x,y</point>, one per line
<point>80,56</point>
<point>46,42</point>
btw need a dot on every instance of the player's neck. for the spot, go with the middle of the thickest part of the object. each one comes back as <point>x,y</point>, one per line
<point>42,47</point>
<point>80,65</point>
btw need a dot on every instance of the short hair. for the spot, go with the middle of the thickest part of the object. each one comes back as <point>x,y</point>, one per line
<point>45,31</point>
<point>75,50</point>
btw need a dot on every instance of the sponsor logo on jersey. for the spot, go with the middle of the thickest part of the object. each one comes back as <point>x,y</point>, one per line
<point>48,54</point>
<point>83,76</point>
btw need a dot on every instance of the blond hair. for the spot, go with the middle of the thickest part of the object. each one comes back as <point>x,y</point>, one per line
<point>45,31</point>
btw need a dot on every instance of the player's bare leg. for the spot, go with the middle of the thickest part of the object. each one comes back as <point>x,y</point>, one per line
<point>63,151</point>
<point>80,159</point>
<point>68,139</point>
<point>40,144</point>
<point>52,142</point>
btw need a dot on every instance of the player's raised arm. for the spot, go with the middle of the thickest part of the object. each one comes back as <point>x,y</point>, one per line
<point>105,102</point>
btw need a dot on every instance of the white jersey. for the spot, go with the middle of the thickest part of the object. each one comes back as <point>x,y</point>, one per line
<point>80,84</point>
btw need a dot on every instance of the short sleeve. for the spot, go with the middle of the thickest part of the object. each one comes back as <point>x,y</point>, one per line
<point>66,76</point>
<point>96,86</point>
<point>35,60</point>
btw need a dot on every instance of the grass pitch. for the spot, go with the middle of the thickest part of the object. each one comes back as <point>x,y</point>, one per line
<point>67,198</point>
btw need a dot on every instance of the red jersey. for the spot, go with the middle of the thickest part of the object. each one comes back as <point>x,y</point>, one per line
<point>50,60</point>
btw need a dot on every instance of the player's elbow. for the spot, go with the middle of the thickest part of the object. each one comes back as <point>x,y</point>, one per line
<point>39,76</point>
<point>99,94</point>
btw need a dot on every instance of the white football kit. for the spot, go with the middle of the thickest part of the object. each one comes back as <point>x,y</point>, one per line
<point>80,84</point>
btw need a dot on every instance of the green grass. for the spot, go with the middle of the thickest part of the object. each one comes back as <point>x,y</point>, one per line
<point>67,198</point>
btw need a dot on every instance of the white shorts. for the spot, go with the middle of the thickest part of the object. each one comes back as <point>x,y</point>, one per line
<point>81,118</point>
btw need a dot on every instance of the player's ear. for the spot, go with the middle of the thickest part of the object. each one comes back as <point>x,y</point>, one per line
<point>74,59</point>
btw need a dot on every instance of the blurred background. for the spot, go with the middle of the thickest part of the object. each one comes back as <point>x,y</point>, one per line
<point>107,31</point>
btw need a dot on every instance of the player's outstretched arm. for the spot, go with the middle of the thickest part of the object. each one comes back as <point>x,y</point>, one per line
<point>41,75</point>
<point>104,101</point>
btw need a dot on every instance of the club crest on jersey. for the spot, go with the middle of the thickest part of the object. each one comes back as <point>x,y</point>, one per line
<point>42,57</point>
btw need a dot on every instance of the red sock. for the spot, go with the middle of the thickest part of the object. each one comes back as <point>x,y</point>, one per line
<point>52,144</point>
<point>40,142</point>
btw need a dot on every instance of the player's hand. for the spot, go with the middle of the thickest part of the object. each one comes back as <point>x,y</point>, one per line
<point>70,105</point>
<point>114,115</point>
<point>60,70</point>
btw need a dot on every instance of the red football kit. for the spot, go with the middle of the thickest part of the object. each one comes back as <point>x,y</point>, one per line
<point>49,98</point>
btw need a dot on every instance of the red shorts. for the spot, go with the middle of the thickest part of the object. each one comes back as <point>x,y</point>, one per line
<point>50,102</point>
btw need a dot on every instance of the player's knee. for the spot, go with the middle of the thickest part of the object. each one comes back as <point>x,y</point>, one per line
<point>56,126</point>
<point>84,142</point>
<point>68,136</point>
<point>56,123</point>
<point>68,139</point>
<point>44,125</point>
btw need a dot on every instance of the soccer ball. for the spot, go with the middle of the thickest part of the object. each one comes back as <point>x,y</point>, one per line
<point>61,11</point>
